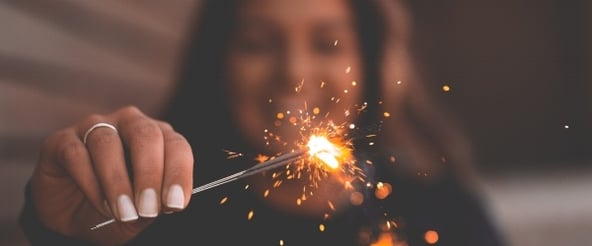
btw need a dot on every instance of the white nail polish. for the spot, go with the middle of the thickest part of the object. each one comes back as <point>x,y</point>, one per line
<point>148,206</point>
<point>175,197</point>
<point>127,211</point>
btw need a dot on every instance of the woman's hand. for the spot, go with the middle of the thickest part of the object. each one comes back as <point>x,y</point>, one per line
<point>132,174</point>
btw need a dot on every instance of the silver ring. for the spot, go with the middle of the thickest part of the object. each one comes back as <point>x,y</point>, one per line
<point>95,126</point>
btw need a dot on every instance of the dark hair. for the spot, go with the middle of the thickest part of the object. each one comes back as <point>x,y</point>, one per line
<point>199,107</point>
<point>199,104</point>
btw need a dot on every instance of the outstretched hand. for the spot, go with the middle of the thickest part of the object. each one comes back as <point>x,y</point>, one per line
<point>132,172</point>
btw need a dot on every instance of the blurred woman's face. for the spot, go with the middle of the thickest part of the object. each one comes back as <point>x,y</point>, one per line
<point>291,55</point>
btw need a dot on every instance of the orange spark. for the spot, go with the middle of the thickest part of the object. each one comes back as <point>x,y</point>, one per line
<point>431,236</point>
<point>356,198</point>
<point>223,200</point>
<point>382,190</point>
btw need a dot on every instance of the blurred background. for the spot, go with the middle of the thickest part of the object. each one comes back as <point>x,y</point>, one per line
<point>518,72</point>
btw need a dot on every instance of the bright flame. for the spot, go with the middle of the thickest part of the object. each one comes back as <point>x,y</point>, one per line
<point>322,149</point>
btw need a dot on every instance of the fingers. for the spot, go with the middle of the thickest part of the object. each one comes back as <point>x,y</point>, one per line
<point>144,139</point>
<point>107,155</point>
<point>159,173</point>
<point>162,163</point>
<point>178,168</point>
<point>72,156</point>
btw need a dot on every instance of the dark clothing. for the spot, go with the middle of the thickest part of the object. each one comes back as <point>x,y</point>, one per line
<point>442,205</point>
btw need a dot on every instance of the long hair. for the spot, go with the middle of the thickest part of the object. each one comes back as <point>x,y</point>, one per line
<point>420,128</point>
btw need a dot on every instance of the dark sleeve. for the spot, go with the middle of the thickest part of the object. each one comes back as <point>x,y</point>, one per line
<point>35,231</point>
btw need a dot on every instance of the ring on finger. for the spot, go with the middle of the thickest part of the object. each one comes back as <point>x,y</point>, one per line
<point>95,126</point>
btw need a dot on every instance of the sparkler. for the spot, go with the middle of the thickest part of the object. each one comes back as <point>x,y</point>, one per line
<point>326,144</point>
<point>264,166</point>
<point>281,160</point>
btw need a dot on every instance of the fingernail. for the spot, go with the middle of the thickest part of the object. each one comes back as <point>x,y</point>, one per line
<point>127,212</point>
<point>175,197</point>
<point>148,206</point>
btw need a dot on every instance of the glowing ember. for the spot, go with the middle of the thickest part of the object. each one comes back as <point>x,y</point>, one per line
<point>331,205</point>
<point>356,198</point>
<point>385,239</point>
<point>232,154</point>
<point>382,190</point>
<point>431,236</point>
<point>223,200</point>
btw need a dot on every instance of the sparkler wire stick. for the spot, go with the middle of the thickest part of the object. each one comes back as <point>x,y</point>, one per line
<point>264,166</point>
<point>259,168</point>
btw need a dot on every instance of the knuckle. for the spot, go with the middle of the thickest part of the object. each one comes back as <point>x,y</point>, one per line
<point>56,137</point>
<point>165,126</point>
<point>176,140</point>
<point>146,129</point>
<point>90,119</point>
<point>130,110</point>
<point>70,151</point>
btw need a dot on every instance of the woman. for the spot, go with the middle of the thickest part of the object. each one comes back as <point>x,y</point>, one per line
<point>258,75</point>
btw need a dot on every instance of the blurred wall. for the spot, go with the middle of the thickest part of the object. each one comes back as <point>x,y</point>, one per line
<point>63,59</point>
<point>520,76</point>
<point>521,82</point>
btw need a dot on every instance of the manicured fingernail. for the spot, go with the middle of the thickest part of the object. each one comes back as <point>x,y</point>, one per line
<point>148,206</point>
<point>175,197</point>
<point>127,211</point>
